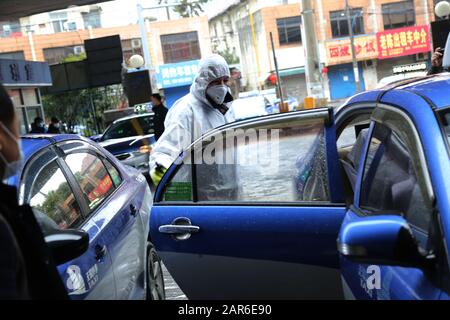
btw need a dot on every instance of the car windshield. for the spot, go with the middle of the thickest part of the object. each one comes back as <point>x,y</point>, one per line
<point>130,128</point>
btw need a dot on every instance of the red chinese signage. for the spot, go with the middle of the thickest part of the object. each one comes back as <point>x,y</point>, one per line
<point>101,189</point>
<point>403,42</point>
<point>339,51</point>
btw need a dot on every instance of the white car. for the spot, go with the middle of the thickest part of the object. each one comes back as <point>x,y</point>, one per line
<point>399,77</point>
<point>252,106</point>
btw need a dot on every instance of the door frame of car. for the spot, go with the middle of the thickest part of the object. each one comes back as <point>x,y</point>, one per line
<point>333,170</point>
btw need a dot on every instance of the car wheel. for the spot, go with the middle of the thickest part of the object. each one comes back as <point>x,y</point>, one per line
<point>155,277</point>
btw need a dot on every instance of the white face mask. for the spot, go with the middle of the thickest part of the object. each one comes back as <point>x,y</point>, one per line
<point>217,93</point>
<point>11,168</point>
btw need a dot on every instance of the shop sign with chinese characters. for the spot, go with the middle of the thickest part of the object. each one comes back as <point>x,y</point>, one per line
<point>177,74</point>
<point>340,51</point>
<point>21,73</point>
<point>403,41</point>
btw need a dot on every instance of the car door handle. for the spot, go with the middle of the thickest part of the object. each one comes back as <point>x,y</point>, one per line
<point>181,228</point>
<point>133,210</point>
<point>100,251</point>
<point>177,229</point>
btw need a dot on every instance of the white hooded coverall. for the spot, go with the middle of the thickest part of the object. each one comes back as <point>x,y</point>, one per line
<point>192,115</point>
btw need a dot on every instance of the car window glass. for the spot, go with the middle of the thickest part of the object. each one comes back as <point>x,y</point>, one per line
<point>180,186</point>
<point>92,176</point>
<point>285,163</point>
<point>114,174</point>
<point>130,128</point>
<point>146,123</point>
<point>51,196</point>
<point>390,179</point>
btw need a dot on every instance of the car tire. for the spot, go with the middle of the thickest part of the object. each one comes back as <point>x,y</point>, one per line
<point>155,277</point>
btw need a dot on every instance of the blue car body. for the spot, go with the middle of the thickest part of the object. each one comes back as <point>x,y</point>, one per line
<point>239,249</point>
<point>422,101</point>
<point>114,266</point>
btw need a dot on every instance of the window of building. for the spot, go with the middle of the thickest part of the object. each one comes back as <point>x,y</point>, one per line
<point>10,29</point>
<point>58,20</point>
<point>57,55</point>
<point>398,14</point>
<point>92,176</point>
<point>339,23</point>
<point>180,47</point>
<point>131,47</point>
<point>16,55</point>
<point>289,30</point>
<point>92,19</point>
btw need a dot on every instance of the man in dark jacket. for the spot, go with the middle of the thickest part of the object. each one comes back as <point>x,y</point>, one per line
<point>160,114</point>
<point>54,127</point>
<point>27,270</point>
<point>38,125</point>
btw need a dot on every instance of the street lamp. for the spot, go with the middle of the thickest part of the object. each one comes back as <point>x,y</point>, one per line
<point>442,9</point>
<point>136,61</point>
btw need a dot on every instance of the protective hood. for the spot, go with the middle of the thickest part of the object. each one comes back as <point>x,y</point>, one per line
<point>211,68</point>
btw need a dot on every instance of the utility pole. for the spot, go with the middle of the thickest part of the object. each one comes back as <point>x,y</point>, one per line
<point>255,46</point>
<point>352,43</point>
<point>313,80</point>
<point>144,39</point>
<point>280,89</point>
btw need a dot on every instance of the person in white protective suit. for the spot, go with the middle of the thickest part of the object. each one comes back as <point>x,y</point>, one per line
<point>204,108</point>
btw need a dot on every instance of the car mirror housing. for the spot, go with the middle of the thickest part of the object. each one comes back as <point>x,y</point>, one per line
<point>66,245</point>
<point>382,239</point>
<point>96,138</point>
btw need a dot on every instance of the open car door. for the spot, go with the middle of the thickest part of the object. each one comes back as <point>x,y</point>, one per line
<point>252,210</point>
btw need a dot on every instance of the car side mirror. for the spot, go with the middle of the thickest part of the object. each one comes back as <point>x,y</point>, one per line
<point>96,138</point>
<point>384,240</point>
<point>66,245</point>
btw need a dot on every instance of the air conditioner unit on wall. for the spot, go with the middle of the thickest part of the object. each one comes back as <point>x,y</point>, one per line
<point>136,43</point>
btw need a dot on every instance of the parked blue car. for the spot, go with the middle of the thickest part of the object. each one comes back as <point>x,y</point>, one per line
<point>130,139</point>
<point>348,202</point>
<point>73,183</point>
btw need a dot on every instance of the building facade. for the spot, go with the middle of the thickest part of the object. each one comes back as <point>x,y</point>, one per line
<point>176,43</point>
<point>388,34</point>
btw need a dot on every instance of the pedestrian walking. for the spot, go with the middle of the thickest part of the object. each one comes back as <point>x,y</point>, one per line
<point>160,112</point>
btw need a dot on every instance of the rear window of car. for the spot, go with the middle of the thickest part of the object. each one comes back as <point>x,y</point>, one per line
<point>130,128</point>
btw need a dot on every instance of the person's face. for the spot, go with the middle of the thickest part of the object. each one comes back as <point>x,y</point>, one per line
<point>220,81</point>
<point>155,101</point>
<point>8,147</point>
